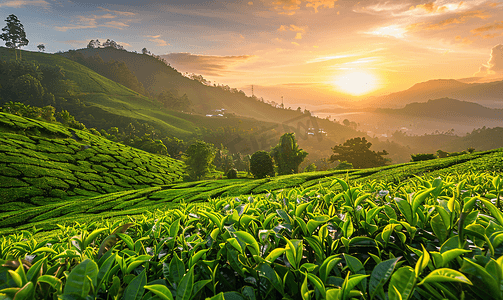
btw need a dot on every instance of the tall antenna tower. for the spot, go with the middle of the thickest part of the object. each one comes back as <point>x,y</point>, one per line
<point>252,91</point>
<point>282,102</point>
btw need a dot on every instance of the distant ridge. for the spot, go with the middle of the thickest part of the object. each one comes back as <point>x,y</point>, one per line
<point>488,94</point>
<point>445,108</point>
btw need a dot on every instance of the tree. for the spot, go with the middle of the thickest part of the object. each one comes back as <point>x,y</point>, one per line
<point>144,51</point>
<point>199,159</point>
<point>261,164</point>
<point>41,47</point>
<point>14,35</point>
<point>287,154</point>
<point>357,152</point>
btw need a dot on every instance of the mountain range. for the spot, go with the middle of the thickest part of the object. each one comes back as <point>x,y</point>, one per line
<point>488,94</point>
<point>445,109</point>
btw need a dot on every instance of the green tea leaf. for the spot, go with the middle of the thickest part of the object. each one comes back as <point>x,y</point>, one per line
<point>184,290</point>
<point>249,240</point>
<point>176,270</point>
<point>402,283</point>
<point>380,275</point>
<point>136,288</point>
<point>76,283</point>
<point>160,290</point>
<point>443,275</point>
<point>53,281</point>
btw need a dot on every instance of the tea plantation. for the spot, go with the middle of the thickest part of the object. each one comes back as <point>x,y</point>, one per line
<point>118,223</point>
<point>43,163</point>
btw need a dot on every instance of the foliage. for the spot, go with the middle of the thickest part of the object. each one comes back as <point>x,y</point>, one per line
<point>428,238</point>
<point>41,47</point>
<point>44,162</point>
<point>232,174</point>
<point>344,165</point>
<point>199,159</point>
<point>422,156</point>
<point>357,152</point>
<point>171,100</point>
<point>113,70</point>
<point>287,154</point>
<point>261,164</point>
<point>14,34</point>
<point>310,168</point>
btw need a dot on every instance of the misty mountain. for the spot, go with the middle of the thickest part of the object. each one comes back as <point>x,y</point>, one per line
<point>488,94</point>
<point>445,109</point>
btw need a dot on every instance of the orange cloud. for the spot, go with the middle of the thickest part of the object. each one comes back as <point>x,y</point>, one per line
<point>211,65</point>
<point>289,7</point>
<point>298,36</point>
<point>488,27</point>
<point>291,28</point>
<point>459,19</point>
<point>464,41</point>
<point>430,7</point>
<point>495,64</point>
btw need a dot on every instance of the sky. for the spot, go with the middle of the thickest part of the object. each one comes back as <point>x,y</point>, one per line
<point>315,51</point>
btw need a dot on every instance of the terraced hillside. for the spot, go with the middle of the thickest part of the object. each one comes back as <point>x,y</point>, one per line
<point>109,100</point>
<point>43,163</point>
<point>51,173</point>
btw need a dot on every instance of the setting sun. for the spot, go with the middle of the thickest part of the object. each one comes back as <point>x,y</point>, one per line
<point>356,83</point>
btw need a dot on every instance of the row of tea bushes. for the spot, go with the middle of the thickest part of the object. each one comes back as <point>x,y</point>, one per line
<point>43,163</point>
<point>427,238</point>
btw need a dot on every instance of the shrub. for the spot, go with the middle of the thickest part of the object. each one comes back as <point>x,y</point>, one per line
<point>311,168</point>
<point>232,174</point>
<point>422,156</point>
<point>344,165</point>
<point>261,164</point>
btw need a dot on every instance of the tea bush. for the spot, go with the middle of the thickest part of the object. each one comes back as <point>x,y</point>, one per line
<point>427,238</point>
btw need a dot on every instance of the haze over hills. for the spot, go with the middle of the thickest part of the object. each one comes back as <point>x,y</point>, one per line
<point>156,77</point>
<point>488,94</point>
<point>445,109</point>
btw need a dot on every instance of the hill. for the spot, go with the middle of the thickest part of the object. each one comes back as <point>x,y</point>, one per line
<point>488,94</point>
<point>156,76</point>
<point>445,109</point>
<point>43,163</point>
<point>49,171</point>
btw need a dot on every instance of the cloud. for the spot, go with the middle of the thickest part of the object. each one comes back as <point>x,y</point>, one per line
<point>494,66</point>
<point>289,7</point>
<point>87,22</point>
<point>298,36</point>
<point>296,44</point>
<point>117,12</point>
<point>460,18</point>
<point>156,39</point>
<point>395,31</point>
<point>115,24</point>
<point>430,7</point>
<point>488,27</point>
<point>381,7</point>
<point>291,28</point>
<point>21,3</point>
<point>211,65</point>
<point>464,41</point>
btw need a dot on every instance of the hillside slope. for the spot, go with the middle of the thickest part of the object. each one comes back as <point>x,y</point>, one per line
<point>43,163</point>
<point>110,103</point>
<point>51,175</point>
<point>445,109</point>
<point>487,94</point>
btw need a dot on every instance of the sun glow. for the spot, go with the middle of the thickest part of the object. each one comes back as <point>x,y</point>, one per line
<point>356,83</point>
